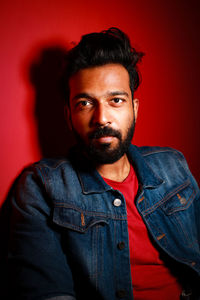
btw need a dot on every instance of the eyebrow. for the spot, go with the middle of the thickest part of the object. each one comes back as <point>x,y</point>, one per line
<point>82,95</point>
<point>88,96</point>
<point>117,93</point>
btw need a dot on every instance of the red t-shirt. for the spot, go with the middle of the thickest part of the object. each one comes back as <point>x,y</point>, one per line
<point>151,279</point>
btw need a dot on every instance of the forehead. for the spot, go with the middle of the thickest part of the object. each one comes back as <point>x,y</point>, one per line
<point>100,80</point>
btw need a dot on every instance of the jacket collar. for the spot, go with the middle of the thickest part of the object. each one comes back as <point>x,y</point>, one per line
<point>92,182</point>
<point>146,176</point>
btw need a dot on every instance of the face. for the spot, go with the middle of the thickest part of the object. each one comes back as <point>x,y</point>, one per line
<point>102,112</point>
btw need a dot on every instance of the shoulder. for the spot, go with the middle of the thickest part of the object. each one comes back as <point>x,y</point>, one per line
<point>168,163</point>
<point>47,167</point>
<point>51,163</point>
<point>164,154</point>
<point>156,150</point>
<point>46,178</point>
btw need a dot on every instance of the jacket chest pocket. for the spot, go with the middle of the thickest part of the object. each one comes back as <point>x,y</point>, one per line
<point>83,240</point>
<point>179,207</point>
<point>76,219</point>
<point>180,199</point>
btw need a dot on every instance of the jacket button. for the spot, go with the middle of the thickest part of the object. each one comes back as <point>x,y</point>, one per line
<point>121,245</point>
<point>117,202</point>
<point>121,293</point>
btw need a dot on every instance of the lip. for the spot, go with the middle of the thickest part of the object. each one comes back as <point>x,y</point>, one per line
<point>105,139</point>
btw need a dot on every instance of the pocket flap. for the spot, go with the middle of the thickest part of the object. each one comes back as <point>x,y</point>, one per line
<point>76,219</point>
<point>179,199</point>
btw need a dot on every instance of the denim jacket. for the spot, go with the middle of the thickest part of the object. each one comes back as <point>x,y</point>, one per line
<point>66,225</point>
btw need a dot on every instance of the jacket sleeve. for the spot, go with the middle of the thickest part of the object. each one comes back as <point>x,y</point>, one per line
<point>38,264</point>
<point>197,191</point>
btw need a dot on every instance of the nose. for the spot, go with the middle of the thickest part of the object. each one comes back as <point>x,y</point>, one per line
<point>101,116</point>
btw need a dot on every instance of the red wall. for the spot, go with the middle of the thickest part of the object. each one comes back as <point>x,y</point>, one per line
<point>34,36</point>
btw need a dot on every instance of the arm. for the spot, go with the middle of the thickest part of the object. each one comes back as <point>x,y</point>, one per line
<point>38,266</point>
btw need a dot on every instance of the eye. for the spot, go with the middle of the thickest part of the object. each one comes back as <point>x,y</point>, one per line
<point>82,104</point>
<point>117,100</point>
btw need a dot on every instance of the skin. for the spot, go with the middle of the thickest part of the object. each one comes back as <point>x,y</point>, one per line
<point>101,96</point>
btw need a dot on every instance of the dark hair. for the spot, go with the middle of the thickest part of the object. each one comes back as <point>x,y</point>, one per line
<point>97,49</point>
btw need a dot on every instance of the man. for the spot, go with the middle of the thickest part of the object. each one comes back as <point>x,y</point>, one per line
<point>111,221</point>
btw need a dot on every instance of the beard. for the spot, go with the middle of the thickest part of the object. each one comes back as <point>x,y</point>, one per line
<point>104,153</point>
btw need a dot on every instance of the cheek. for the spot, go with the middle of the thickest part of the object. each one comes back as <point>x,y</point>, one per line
<point>126,117</point>
<point>128,121</point>
<point>80,124</point>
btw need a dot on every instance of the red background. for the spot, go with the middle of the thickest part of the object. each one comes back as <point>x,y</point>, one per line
<point>34,37</point>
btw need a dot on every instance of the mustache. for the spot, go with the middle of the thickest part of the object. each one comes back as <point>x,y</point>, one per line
<point>105,131</point>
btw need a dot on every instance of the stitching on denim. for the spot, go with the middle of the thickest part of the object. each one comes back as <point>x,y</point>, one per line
<point>41,175</point>
<point>45,179</point>
<point>140,200</point>
<point>185,233</point>
<point>145,203</point>
<point>183,207</point>
<point>57,164</point>
<point>78,228</point>
<point>91,213</point>
<point>165,242</point>
<point>162,150</point>
<point>172,193</point>
<point>156,228</point>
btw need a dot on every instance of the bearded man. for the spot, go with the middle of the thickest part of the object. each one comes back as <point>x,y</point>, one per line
<point>111,220</point>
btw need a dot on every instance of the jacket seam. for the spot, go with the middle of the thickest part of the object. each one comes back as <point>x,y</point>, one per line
<point>161,150</point>
<point>172,193</point>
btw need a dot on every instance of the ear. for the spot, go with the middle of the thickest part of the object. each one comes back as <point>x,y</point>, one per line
<point>135,107</point>
<point>67,115</point>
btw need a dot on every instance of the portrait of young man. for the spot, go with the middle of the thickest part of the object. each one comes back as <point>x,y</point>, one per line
<point>111,220</point>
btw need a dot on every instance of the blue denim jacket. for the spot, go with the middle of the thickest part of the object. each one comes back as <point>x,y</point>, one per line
<point>66,226</point>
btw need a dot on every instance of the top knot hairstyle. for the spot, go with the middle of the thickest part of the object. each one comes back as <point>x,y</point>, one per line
<point>98,49</point>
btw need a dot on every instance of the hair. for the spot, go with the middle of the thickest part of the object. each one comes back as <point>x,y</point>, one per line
<point>101,48</point>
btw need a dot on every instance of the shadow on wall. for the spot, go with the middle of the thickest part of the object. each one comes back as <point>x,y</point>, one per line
<point>55,138</point>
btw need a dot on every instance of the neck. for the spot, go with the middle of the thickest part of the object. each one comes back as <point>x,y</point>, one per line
<point>117,171</point>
